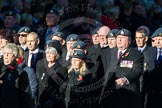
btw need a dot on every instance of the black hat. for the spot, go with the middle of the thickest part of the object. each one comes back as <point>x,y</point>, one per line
<point>24,29</point>
<point>59,34</point>
<point>94,31</point>
<point>79,45</point>
<point>72,37</point>
<point>112,33</point>
<point>124,32</point>
<point>53,11</point>
<point>79,54</point>
<point>158,32</point>
<point>10,13</point>
<point>56,44</point>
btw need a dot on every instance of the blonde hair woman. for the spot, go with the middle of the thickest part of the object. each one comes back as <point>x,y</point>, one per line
<point>79,78</point>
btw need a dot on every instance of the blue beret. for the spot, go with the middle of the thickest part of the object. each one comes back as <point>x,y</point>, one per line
<point>79,54</point>
<point>94,31</point>
<point>158,32</point>
<point>72,37</point>
<point>24,29</point>
<point>79,45</point>
<point>124,32</point>
<point>112,33</point>
<point>59,34</point>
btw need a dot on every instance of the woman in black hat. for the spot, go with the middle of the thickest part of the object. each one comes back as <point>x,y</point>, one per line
<point>78,89</point>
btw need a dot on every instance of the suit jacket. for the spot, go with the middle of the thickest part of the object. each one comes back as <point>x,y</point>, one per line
<point>130,66</point>
<point>39,56</point>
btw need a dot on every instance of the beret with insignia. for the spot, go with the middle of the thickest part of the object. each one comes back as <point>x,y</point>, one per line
<point>59,34</point>
<point>157,33</point>
<point>10,13</point>
<point>94,31</point>
<point>56,44</point>
<point>72,37</point>
<point>112,33</point>
<point>79,54</point>
<point>124,32</point>
<point>53,11</point>
<point>24,29</point>
<point>79,45</point>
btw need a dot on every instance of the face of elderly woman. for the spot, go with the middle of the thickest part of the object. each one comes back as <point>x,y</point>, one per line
<point>8,56</point>
<point>76,63</point>
<point>50,56</point>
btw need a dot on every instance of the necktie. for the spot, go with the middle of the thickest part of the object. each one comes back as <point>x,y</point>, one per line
<point>119,54</point>
<point>159,60</point>
<point>32,63</point>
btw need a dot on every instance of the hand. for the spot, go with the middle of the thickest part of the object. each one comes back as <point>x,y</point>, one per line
<point>121,81</point>
<point>1,82</point>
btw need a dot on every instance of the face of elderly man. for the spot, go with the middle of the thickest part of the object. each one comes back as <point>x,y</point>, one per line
<point>122,42</point>
<point>22,38</point>
<point>32,41</point>
<point>102,32</point>
<point>159,42</point>
<point>8,56</point>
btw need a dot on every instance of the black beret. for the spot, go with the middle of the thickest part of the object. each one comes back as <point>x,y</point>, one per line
<point>53,11</point>
<point>56,44</point>
<point>158,32</point>
<point>10,13</point>
<point>124,32</point>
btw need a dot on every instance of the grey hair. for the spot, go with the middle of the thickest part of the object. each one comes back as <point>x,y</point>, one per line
<point>53,50</point>
<point>13,47</point>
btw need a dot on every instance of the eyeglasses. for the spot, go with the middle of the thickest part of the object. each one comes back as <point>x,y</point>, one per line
<point>23,35</point>
<point>153,40</point>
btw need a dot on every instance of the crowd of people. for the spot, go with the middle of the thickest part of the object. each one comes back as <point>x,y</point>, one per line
<point>80,54</point>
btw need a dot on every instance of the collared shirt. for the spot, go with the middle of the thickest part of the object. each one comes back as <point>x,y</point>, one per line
<point>158,53</point>
<point>24,47</point>
<point>30,56</point>
<point>121,51</point>
<point>141,49</point>
<point>50,32</point>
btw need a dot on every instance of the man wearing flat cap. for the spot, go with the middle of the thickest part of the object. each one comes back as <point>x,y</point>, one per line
<point>126,65</point>
<point>22,34</point>
<point>52,19</point>
<point>154,97</point>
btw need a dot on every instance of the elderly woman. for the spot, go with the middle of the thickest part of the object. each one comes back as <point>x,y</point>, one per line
<point>13,81</point>
<point>50,76</point>
<point>78,83</point>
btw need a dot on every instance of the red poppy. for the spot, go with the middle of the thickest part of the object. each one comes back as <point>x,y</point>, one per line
<point>80,78</point>
<point>11,67</point>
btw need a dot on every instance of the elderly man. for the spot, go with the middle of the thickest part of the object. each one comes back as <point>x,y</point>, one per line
<point>102,32</point>
<point>126,66</point>
<point>35,53</point>
<point>22,33</point>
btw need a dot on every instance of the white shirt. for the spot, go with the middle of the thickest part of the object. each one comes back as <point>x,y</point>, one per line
<point>30,56</point>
